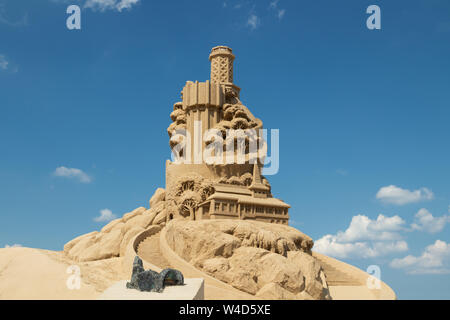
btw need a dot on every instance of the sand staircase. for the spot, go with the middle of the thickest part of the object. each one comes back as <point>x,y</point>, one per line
<point>345,281</point>
<point>336,277</point>
<point>149,251</point>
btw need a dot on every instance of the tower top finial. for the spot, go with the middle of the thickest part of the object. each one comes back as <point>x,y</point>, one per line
<point>256,174</point>
<point>221,50</point>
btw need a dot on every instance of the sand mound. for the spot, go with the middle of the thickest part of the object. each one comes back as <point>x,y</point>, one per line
<point>268,260</point>
<point>27,273</point>
<point>113,239</point>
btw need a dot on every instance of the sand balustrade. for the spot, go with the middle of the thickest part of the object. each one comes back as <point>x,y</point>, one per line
<point>345,282</point>
<point>214,289</point>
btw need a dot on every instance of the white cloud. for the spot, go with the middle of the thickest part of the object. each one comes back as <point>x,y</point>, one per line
<point>365,238</point>
<point>434,260</point>
<point>253,21</point>
<point>72,173</point>
<point>103,5</point>
<point>328,245</point>
<point>274,4</point>
<point>424,221</point>
<point>363,228</point>
<point>126,4</point>
<point>5,20</point>
<point>105,215</point>
<point>16,245</point>
<point>279,12</point>
<point>3,62</point>
<point>395,195</point>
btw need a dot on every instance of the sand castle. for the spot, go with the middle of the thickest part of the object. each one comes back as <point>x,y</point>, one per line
<point>232,190</point>
<point>215,220</point>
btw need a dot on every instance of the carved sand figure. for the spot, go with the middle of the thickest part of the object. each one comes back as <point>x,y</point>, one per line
<point>219,222</point>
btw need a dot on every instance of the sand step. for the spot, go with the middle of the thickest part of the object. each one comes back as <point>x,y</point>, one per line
<point>336,277</point>
<point>149,251</point>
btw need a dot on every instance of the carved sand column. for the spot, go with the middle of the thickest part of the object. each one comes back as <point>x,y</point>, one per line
<point>222,59</point>
<point>202,102</point>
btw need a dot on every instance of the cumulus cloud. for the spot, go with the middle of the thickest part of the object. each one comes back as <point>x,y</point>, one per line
<point>103,5</point>
<point>72,173</point>
<point>363,228</point>
<point>253,21</point>
<point>328,245</point>
<point>425,221</point>
<point>105,215</point>
<point>16,245</point>
<point>365,238</point>
<point>434,260</point>
<point>395,195</point>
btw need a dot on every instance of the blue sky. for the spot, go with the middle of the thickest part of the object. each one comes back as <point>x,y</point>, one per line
<point>363,118</point>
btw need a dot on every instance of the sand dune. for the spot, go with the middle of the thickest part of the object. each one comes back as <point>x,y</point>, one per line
<point>27,273</point>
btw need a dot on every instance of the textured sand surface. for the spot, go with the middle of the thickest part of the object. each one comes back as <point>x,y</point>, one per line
<point>271,261</point>
<point>27,273</point>
<point>193,289</point>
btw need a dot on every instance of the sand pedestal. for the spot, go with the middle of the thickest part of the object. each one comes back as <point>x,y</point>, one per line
<point>193,289</point>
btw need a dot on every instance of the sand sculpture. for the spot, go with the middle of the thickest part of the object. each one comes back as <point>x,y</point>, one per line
<point>221,218</point>
<point>217,221</point>
<point>203,190</point>
<point>198,191</point>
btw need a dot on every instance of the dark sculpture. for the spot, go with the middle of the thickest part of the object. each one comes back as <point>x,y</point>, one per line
<point>151,281</point>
